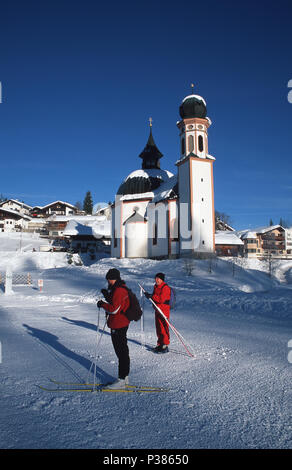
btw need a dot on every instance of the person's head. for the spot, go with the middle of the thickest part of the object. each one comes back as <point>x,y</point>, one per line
<point>159,278</point>
<point>112,276</point>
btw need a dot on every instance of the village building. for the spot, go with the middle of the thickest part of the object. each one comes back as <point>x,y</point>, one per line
<point>93,237</point>
<point>228,243</point>
<point>12,221</point>
<point>16,206</point>
<point>263,242</point>
<point>159,214</point>
<point>57,207</point>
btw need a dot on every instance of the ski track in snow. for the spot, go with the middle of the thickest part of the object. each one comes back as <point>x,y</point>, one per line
<point>236,393</point>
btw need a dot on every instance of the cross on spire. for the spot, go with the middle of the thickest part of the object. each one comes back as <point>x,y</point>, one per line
<point>192,86</point>
<point>150,121</point>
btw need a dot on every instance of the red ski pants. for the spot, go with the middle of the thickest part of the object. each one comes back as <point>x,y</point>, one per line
<point>162,329</point>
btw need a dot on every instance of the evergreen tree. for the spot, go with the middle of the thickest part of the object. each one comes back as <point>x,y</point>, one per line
<point>271,222</point>
<point>88,203</point>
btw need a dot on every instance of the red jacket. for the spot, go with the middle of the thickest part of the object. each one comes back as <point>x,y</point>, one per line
<point>161,294</point>
<point>119,304</point>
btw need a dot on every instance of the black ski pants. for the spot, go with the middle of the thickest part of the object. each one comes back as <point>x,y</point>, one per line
<point>120,344</point>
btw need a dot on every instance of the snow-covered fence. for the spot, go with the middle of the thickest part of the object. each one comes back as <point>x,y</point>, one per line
<point>18,279</point>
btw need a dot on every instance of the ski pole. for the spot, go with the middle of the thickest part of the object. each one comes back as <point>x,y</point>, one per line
<point>176,332</point>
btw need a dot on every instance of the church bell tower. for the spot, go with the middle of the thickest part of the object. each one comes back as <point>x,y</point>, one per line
<point>195,178</point>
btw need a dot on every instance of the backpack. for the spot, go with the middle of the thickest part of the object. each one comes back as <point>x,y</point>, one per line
<point>171,302</point>
<point>134,311</point>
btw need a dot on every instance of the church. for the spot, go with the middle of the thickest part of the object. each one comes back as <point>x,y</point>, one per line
<point>158,214</point>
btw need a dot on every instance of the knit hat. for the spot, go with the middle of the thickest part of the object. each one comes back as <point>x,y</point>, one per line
<point>160,275</point>
<point>113,274</point>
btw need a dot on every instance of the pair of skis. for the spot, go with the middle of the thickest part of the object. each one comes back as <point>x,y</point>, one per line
<point>98,387</point>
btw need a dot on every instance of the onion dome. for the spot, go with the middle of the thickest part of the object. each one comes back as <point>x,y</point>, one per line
<point>140,182</point>
<point>193,106</point>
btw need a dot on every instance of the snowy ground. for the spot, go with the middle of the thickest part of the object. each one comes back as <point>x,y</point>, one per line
<point>236,393</point>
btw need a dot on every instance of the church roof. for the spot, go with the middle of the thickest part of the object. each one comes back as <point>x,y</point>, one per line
<point>143,183</point>
<point>150,155</point>
<point>193,106</point>
<point>167,190</point>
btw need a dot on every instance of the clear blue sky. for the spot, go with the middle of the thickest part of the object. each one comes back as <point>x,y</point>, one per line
<point>80,80</point>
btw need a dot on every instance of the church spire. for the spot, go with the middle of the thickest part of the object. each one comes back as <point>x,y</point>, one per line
<point>150,155</point>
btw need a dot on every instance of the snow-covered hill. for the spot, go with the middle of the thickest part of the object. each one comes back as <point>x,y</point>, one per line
<point>236,393</point>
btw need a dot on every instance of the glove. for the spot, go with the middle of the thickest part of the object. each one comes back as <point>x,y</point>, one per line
<point>147,295</point>
<point>106,294</point>
<point>99,303</point>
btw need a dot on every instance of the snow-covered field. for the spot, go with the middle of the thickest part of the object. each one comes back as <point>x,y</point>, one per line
<point>236,393</point>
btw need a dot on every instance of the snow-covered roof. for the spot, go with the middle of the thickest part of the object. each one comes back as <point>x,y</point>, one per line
<point>252,233</point>
<point>198,97</point>
<point>96,229</point>
<point>15,201</point>
<point>166,190</point>
<point>83,219</point>
<point>152,172</point>
<point>57,202</point>
<point>19,214</point>
<point>224,237</point>
<point>137,184</point>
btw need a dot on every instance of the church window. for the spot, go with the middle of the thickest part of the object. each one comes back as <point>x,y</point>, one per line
<point>155,234</point>
<point>191,143</point>
<point>201,143</point>
<point>183,148</point>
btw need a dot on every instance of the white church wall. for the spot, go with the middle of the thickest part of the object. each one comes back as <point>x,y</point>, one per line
<point>136,240</point>
<point>184,207</point>
<point>122,211</point>
<point>157,237</point>
<point>202,206</point>
<point>116,223</point>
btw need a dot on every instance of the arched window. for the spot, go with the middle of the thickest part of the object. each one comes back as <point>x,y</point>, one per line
<point>201,143</point>
<point>155,234</point>
<point>183,148</point>
<point>191,143</point>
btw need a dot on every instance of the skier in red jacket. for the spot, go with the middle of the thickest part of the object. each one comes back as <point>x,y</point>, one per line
<point>161,296</point>
<point>117,302</point>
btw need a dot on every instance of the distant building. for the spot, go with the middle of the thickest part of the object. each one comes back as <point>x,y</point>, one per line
<point>90,234</point>
<point>228,244</point>
<point>268,241</point>
<point>16,206</point>
<point>11,221</point>
<point>57,207</point>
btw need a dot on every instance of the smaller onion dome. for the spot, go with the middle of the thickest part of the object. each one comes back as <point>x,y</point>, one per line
<point>193,106</point>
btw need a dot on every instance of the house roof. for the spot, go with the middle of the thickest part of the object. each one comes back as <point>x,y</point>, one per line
<point>97,229</point>
<point>252,232</point>
<point>18,214</point>
<point>15,201</point>
<point>57,202</point>
<point>224,237</point>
